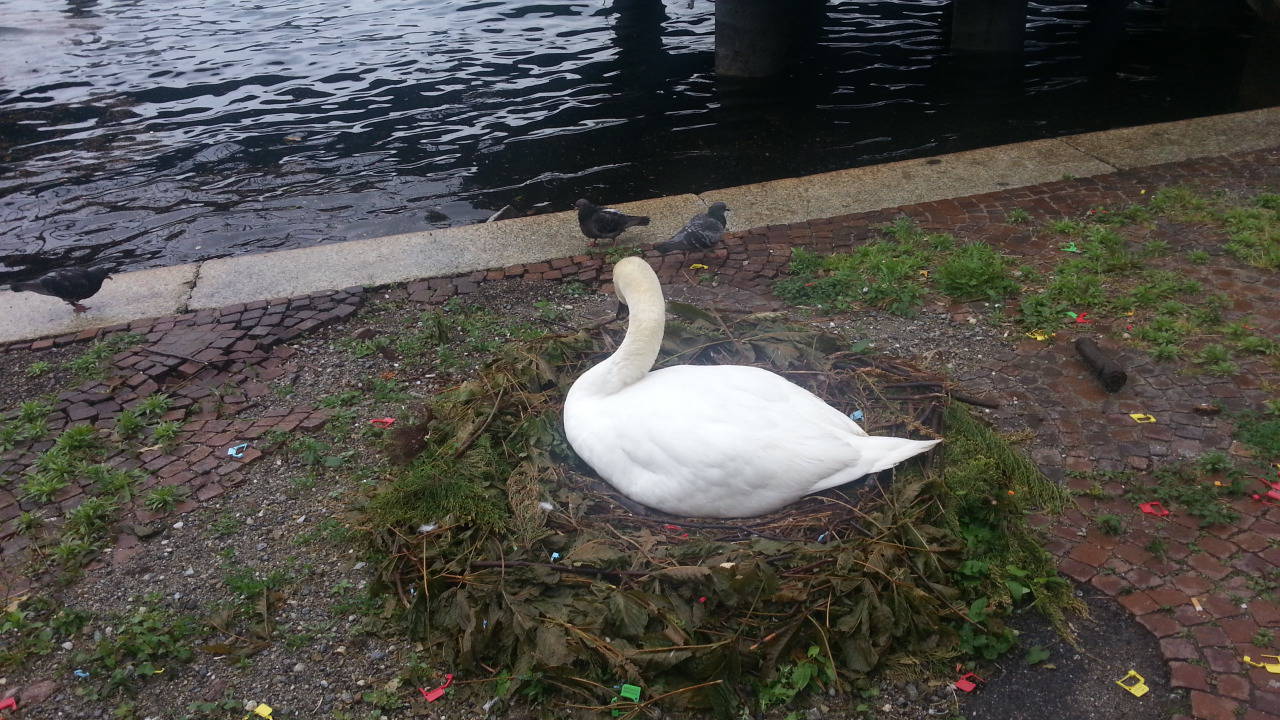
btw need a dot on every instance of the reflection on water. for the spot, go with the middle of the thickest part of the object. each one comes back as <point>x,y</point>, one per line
<point>156,134</point>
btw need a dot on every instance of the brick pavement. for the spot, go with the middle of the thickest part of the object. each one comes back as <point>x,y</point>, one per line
<point>214,362</point>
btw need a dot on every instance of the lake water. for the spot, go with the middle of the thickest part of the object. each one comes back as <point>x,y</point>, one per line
<point>160,133</point>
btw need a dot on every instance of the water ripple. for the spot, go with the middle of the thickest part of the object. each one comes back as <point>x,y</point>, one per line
<point>155,135</point>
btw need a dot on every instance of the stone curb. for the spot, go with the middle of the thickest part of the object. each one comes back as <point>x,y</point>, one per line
<point>379,261</point>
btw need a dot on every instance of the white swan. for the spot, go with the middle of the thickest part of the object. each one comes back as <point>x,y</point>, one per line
<point>716,440</point>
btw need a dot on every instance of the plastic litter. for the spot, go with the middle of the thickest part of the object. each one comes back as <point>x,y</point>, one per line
<point>630,692</point>
<point>1272,494</point>
<point>80,673</point>
<point>1271,667</point>
<point>263,710</point>
<point>1153,508</point>
<point>1040,335</point>
<point>237,451</point>
<point>555,556</point>
<point>1195,603</point>
<point>9,703</point>
<point>437,693</point>
<point>1070,247</point>
<point>698,266</point>
<point>856,416</point>
<point>1139,685</point>
<point>1142,417</point>
<point>382,422</point>
<point>1081,318</point>
<point>968,682</point>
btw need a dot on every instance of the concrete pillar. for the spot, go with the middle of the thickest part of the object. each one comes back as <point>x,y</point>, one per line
<point>764,38</point>
<point>751,38</point>
<point>1205,15</point>
<point>988,25</point>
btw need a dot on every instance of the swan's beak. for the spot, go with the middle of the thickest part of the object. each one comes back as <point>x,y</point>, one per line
<point>623,311</point>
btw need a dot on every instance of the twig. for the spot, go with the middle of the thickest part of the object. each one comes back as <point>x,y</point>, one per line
<point>971,400</point>
<point>558,568</point>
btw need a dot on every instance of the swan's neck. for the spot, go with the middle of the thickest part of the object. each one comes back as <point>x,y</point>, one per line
<point>639,349</point>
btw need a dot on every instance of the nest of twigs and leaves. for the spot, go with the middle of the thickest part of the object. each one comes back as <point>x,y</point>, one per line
<point>510,561</point>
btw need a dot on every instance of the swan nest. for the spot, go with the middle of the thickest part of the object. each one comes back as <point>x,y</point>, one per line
<point>510,562</point>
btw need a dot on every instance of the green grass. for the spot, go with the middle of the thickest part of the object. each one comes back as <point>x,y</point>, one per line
<point>1110,524</point>
<point>163,498</point>
<point>1255,232</point>
<point>144,643</point>
<point>892,272</point>
<point>976,272</point>
<point>1261,431</point>
<point>92,362</point>
<point>38,368</point>
<point>1018,216</point>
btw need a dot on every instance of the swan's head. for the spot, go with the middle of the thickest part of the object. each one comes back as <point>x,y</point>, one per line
<point>635,282</point>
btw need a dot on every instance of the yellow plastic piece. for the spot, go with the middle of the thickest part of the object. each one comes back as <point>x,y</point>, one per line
<point>263,710</point>
<point>1039,335</point>
<point>1142,417</point>
<point>1139,685</point>
<point>697,266</point>
<point>1271,667</point>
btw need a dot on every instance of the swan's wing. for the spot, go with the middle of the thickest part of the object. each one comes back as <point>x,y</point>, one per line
<point>729,432</point>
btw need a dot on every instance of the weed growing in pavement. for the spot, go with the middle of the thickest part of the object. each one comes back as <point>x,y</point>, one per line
<point>114,482</point>
<point>1264,638</point>
<point>1158,548</point>
<point>615,253</point>
<point>129,424</point>
<point>29,522</point>
<point>144,642</point>
<point>549,310</point>
<point>1183,487</point>
<point>225,525</point>
<point>892,272</point>
<point>1255,232</point>
<point>165,434</point>
<point>1262,431</point>
<point>1018,216</point>
<point>38,368</point>
<point>163,498</point>
<point>92,362</point>
<point>34,628</point>
<point>342,399</point>
<point>1110,524</point>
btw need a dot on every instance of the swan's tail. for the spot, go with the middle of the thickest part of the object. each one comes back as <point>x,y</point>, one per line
<point>883,453</point>
<point>877,453</point>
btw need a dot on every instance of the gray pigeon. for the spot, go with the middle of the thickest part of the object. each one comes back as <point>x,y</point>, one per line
<point>600,223</point>
<point>702,231</point>
<point>71,284</point>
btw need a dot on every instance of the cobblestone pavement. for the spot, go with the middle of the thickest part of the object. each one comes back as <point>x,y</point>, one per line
<point>1200,598</point>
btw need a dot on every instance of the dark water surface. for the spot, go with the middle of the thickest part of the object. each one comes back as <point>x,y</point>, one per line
<point>161,133</point>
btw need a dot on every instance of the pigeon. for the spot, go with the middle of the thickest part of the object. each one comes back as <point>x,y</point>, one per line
<point>71,284</point>
<point>702,231</point>
<point>600,223</point>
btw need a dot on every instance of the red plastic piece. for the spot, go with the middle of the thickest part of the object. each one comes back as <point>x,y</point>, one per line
<point>437,693</point>
<point>1153,508</point>
<point>968,682</point>
<point>9,703</point>
<point>382,422</point>
<point>1081,319</point>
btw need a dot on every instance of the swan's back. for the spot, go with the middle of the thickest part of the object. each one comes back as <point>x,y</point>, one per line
<point>722,440</point>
